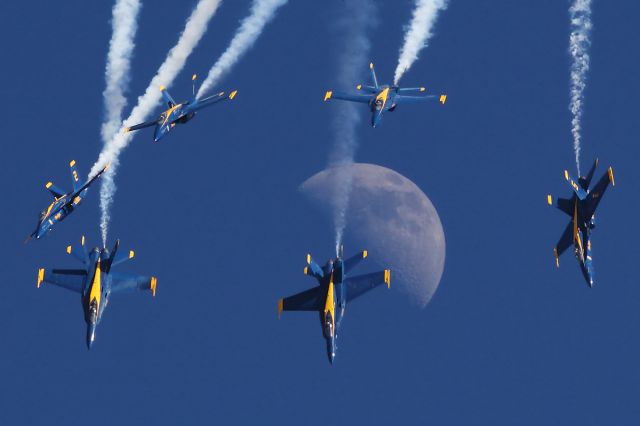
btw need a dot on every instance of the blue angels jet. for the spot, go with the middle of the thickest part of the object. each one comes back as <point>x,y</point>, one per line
<point>383,98</point>
<point>64,202</point>
<point>95,281</point>
<point>581,207</point>
<point>335,288</point>
<point>179,113</point>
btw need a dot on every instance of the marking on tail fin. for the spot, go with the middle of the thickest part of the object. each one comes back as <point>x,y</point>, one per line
<point>40,277</point>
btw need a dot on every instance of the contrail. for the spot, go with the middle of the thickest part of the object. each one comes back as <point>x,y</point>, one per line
<point>262,11</point>
<point>194,29</point>
<point>579,43</point>
<point>418,33</point>
<point>124,24</point>
<point>353,28</point>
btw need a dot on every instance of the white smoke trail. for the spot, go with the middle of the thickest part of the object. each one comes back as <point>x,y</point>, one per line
<point>194,29</point>
<point>262,11</point>
<point>418,33</point>
<point>124,26</point>
<point>352,59</point>
<point>579,42</point>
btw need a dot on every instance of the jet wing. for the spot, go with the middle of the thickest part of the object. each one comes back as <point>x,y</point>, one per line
<point>71,279</point>
<point>565,241</point>
<point>122,282</point>
<point>404,99</point>
<point>308,300</point>
<point>359,285</point>
<point>347,97</point>
<point>213,99</point>
<point>141,125</point>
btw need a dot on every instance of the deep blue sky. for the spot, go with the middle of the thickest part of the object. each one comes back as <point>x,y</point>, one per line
<point>213,211</point>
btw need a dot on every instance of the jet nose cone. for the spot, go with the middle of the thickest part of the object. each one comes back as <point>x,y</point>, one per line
<point>91,336</point>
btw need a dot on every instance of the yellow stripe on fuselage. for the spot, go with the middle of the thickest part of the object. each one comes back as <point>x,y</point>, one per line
<point>383,95</point>
<point>576,234</point>
<point>169,112</point>
<point>330,305</point>
<point>96,287</point>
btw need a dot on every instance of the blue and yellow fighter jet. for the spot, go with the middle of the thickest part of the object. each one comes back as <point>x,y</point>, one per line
<point>64,202</point>
<point>383,98</point>
<point>179,113</point>
<point>95,282</point>
<point>582,208</point>
<point>335,288</point>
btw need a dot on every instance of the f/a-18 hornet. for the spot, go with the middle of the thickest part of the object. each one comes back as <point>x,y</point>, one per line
<point>383,98</point>
<point>179,113</point>
<point>335,288</point>
<point>64,203</point>
<point>95,281</point>
<point>581,207</point>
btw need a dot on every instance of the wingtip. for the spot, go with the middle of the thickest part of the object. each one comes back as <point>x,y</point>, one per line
<point>443,99</point>
<point>328,95</point>
<point>566,174</point>
<point>365,253</point>
<point>611,179</point>
<point>370,65</point>
<point>308,259</point>
<point>387,277</point>
<point>280,307</point>
<point>40,277</point>
<point>555,254</point>
<point>550,199</point>
<point>162,88</point>
<point>72,163</point>
<point>194,77</point>
<point>233,94</point>
<point>154,283</point>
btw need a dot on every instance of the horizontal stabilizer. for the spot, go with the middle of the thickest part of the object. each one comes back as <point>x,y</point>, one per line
<point>313,268</point>
<point>350,263</point>
<point>79,252</point>
<point>54,190</point>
